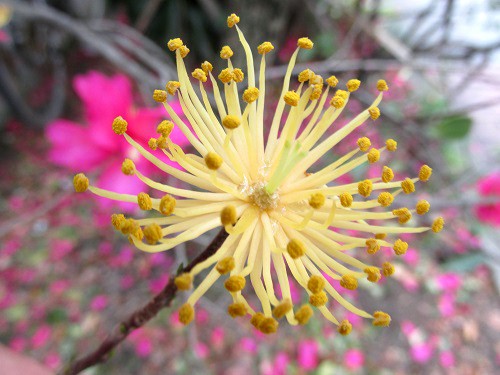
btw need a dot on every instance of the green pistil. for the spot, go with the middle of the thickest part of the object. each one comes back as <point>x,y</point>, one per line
<point>289,159</point>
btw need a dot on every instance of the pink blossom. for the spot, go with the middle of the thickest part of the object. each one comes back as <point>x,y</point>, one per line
<point>446,305</point>
<point>143,346</point>
<point>422,353</point>
<point>449,282</point>
<point>156,285</point>
<point>217,337</point>
<point>307,354</point>
<point>202,316</point>
<point>99,303</point>
<point>53,360</point>
<point>126,282</point>
<point>280,365</point>
<point>94,146</point>
<point>59,248</point>
<point>412,257</point>
<point>58,287</point>
<point>447,359</point>
<point>354,319</point>
<point>17,344</point>
<point>41,336</point>
<point>408,328</point>
<point>201,350</point>
<point>489,186</point>
<point>354,359</point>
<point>248,345</point>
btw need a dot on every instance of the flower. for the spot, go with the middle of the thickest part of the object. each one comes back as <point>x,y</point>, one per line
<point>489,186</point>
<point>274,211</point>
<point>94,145</point>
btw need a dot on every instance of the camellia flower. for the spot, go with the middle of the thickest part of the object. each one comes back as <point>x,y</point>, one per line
<point>275,211</point>
<point>94,145</point>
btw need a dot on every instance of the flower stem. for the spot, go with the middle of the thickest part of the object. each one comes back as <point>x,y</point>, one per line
<point>140,316</point>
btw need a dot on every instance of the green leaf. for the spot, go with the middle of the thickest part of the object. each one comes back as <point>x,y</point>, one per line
<point>57,316</point>
<point>464,263</point>
<point>454,127</point>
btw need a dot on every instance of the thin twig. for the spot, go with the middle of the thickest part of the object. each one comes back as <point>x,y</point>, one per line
<point>141,316</point>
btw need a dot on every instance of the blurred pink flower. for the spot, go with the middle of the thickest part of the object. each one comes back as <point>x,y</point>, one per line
<point>449,282</point>
<point>143,346</point>
<point>53,360</point>
<point>217,337</point>
<point>308,354</point>
<point>422,353</point>
<point>280,365</point>
<point>489,186</point>
<point>41,336</point>
<point>354,359</point>
<point>201,350</point>
<point>83,148</point>
<point>446,305</point>
<point>248,345</point>
<point>99,302</point>
<point>447,359</point>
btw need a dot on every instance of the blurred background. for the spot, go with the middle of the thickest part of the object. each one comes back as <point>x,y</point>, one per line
<point>66,278</point>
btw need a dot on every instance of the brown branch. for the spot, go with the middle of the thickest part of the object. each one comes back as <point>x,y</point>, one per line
<point>141,316</point>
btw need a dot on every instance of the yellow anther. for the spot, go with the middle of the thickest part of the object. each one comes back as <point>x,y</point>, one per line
<point>167,205</point>
<point>160,96</point>
<point>438,225</point>
<point>365,188</point>
<point>250,95</point>
<point>353,84</point>
<point>144,201</point>
<point>381,236</point>
<point>317,200</point>
<point>387,174</point>
<point>291,98</point>
<point>318,299</point>
<point>119,125</point>
<point>373,274</point>
<point>232,20</point>
<point>403,214</point>
<point>385,199</point>
<point>382,85</point>
<point>225,265</point>
<point>226,75</point>
<point>184,50</point>
<point>374,112</point>
<point>268,325</point>
<point>231,122</point>
<point>400,247</point>
<point>422,207</point>
<point>344,327</point>
<point>373,155</point>
<point>316,284</point>
<point>342,93</point>
<point>161,142</point>
<point>139,234</point>
<point>346,199</point>
<point>129,226</point>
<point>128,167</point>
<point>305,75</point>
<point>228,215</point>
<point>172,87</point>
<point>199,74</point>
<point>332,81</point>
<point>364,144</point>
<point>226,52</point>
<point>381,319</point>
<point>295,248</point>
<point>117,220</point>
<point>264,48</point>
<point>152,144</point>
<point>317,90</point>
<point>388,269</point>
<point>305,43</point>
<point>165,128</point>
<point>152,233</point>
<point>408,186</point>
<point>186,314</point>
<point>213,161</point>
<point>80,183</point>
<point>349,282</point>
<point>337,102</point>
<point>238,75</point>
<point>316,79</point>
<point>207,67</point>
<point>237,309</point>
<point>257,319</point>
<point>303,314</point>
<point>235,283</point>
<point>174,44</point>
<point>425,173</point>
<point>282,308</point>
<point>391,145</point>
<point>184,281</point>
<point>372,246</point>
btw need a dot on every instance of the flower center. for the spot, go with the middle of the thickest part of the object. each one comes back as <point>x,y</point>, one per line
<point>262,198</point>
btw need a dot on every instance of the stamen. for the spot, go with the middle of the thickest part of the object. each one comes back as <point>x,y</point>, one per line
<point>381,319</point>
<point>303,314</point>
<point>422,207</point>
<point>119,125</point>
<point>80,183</point>
<point>144,201</point>
<point>344,328</point>
<point>295,248</point>
<point>305,43</point>
<point>425,173</point>
<point>391,145</point>
<point>400,247</point>
<point>438,225</point>
<point>364,144</point>
<point>408,186</point>
<point>184,281</point>
<point>186,314</point>
<point>349,282</point>
<point>237,309</point>
<point>159,96</point>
